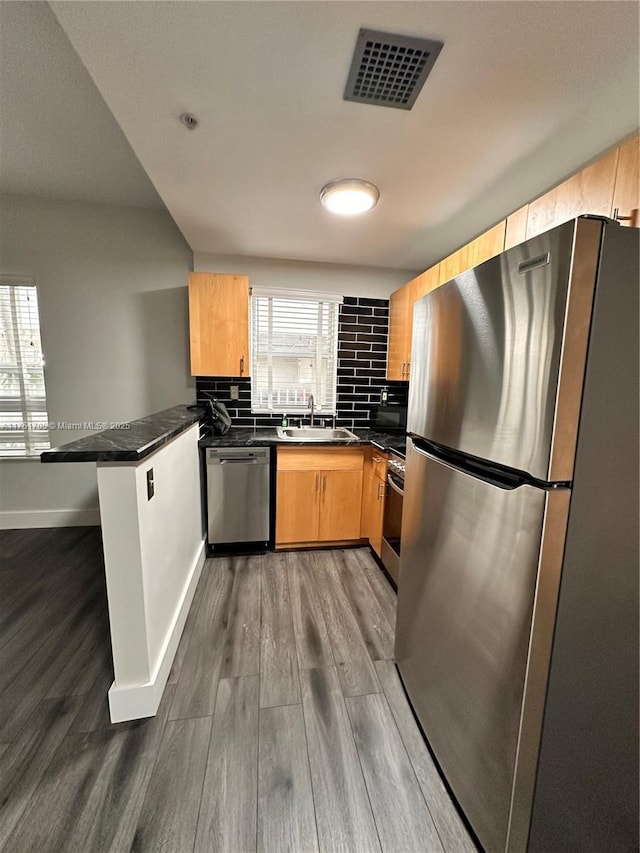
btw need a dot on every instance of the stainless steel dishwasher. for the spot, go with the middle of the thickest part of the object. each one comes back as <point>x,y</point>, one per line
<point>237,495</point>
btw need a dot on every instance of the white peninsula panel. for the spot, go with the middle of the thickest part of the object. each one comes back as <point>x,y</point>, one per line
<point>154,549</point>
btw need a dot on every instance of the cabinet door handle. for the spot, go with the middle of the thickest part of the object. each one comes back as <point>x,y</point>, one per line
<point>317,482</point>
<point>376,459</point>
<point>324,484</point>
<point>408,369</point>
<point>634,219</point>
<point>241,365</point>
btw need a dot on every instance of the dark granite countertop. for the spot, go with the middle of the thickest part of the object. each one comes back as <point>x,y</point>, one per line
<point>267,436</point>
<point>141,439</point>
<point>389,442</point>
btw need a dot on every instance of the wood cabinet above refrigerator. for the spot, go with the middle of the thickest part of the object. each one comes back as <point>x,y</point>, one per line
<point>626,194</point>
<point>401,321</point>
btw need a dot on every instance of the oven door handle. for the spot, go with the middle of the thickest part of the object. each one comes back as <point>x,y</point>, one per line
<point>394,487</point>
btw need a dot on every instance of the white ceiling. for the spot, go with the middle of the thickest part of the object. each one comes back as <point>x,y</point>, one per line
<point>522,94</point>
<point>57,136</point>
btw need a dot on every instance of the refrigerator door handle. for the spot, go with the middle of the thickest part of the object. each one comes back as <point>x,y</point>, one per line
<point>417,449</point>
<point>495,475</point>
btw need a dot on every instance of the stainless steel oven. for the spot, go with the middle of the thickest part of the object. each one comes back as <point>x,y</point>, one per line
<point>392,521</point>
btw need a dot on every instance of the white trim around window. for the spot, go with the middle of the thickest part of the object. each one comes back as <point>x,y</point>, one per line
<point>294,350</point>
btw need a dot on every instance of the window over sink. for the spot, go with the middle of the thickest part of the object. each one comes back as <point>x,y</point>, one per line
<point>294,350</point>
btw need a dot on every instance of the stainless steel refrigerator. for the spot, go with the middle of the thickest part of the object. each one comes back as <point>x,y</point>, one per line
<point>517,623</point>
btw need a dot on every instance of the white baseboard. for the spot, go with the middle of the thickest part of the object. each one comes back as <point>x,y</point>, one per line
<point>134,701</point>
<point>26,519</point>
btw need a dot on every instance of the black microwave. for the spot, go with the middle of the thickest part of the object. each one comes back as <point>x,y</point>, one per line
<point>387,417</point>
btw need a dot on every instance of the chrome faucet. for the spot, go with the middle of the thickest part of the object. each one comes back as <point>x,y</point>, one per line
<point>312,404</point>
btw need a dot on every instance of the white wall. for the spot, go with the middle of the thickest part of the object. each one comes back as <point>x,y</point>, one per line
<point>267,272</point>
<point>114,321</point>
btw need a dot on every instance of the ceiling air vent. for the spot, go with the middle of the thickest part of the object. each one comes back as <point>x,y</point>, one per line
<point>389,70</point>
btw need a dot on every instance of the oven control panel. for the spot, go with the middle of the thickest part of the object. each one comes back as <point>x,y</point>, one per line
<point>396,466</point>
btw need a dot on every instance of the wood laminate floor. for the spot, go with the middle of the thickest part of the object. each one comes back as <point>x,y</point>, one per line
<point>283,727</point>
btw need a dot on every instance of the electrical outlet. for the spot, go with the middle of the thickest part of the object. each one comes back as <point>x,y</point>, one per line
<point>150,488</point>
<point>235,392</point>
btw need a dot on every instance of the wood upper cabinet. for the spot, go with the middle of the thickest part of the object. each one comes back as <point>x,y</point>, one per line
<point>453,264</point>
<point>400,312</point>
<point>486,246</point>
<point>516,227</point>
<point>401,321</point>
<point>319,495</point>
<point>589,191</point>
<point>425,283</point>
<point>610,187</point>
<point>373,497</point>
<point>626,194</point>
<point>401,303</point>
<point>219,324</point>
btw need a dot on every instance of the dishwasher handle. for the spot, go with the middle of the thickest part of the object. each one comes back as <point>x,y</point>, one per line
<point>228,456</point>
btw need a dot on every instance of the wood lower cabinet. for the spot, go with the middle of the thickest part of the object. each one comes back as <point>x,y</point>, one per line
<point>340,498</point>
<point>297,506</point>
<point>319,495</point>
<point>219,324</point>
<point>373,497</point>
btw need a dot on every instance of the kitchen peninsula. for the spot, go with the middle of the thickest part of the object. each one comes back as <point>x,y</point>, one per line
<point>154,545</point>
<point>153,533</point>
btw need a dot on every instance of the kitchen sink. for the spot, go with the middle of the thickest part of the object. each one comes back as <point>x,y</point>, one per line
<point>306,433</point>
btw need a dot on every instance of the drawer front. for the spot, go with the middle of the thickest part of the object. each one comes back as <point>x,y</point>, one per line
<point>379,464</point>
<point>320,458</point>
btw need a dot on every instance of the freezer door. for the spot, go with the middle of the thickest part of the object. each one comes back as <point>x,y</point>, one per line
<point>498,353</point>
<point>469,568</point>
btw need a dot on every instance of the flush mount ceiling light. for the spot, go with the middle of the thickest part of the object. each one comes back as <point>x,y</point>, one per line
<point>349,196</point>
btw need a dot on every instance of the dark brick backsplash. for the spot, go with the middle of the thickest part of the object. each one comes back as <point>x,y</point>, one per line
<point>364,300</point>
<point>363,328</point>
<point>356,311</point>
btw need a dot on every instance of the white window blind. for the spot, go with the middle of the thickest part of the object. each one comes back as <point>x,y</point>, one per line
<point>23,402</point>
<point>294,350</point>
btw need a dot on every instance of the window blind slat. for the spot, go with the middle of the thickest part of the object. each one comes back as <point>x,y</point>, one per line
<point>294,353</point>
<point>23,404</point>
